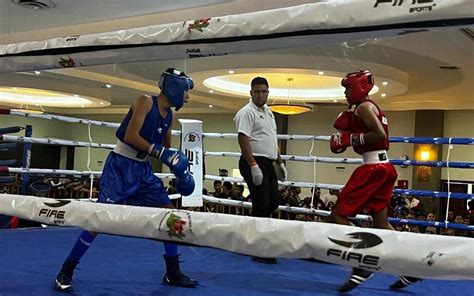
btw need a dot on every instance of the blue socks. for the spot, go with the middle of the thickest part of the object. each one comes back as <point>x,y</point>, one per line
<point>171,250</point>
<point>81,246</point>
<point>85,239</point>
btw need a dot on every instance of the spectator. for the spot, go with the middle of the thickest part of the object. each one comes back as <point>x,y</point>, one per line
<point>217,188</point>
<point>332,196</point>
<point>226,190</point>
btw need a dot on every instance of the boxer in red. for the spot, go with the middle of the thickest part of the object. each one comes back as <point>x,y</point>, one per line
<point>370,186</point>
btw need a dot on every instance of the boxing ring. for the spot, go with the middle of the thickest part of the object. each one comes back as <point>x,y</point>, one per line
<point>216,247</point>
<point>224,238</point>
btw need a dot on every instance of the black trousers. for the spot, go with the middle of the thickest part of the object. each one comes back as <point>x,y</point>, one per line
<point>264,196</point>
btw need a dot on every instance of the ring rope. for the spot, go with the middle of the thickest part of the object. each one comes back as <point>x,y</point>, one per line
<point>49,141</point>
<point>449,182</point>
<point>4,169</point>
<point>457,195</point>
<point>91,185</point>
<point>323,213</point>
<point>413,140</point>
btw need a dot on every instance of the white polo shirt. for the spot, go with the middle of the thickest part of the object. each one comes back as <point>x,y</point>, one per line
<point>260,126</point>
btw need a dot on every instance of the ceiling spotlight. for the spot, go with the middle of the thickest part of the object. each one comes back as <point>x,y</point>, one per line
<point>335,101</point>
<point>231,72</point>
<point>210,106</point>
<point>108,85</point>
<point>383,95</point>
<point>384,83</point>
<point>320,73</point>
<point>102,103</point>
<point>37,72</point>
<point>211,91</point>
<point>82,106</point>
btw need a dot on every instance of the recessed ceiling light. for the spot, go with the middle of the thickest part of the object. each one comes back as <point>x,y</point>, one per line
<point>102,103</point>
<point>231,72</point>
<point>45,98</point>
<point>108,85</point>
<point>37,72</point>
<point>210,106</point>
<point>82,106</point>
<point>383,95</point>
<point>211,91</point>
<point>320,73</point>
<point>384,83</point>
<point>335,101</point>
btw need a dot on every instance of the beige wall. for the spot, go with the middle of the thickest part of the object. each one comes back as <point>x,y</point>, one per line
<point>457,124</point>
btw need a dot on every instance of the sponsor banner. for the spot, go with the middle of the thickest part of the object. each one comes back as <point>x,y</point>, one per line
<point>312,23</point>
<point>410,254</point>
<point>191,145</point>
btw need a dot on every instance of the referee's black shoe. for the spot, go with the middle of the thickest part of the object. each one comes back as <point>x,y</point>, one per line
<point>63,280</point>
<point>357,277</point>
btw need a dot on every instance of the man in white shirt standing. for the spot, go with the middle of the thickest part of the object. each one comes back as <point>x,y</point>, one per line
<point>257,135</point>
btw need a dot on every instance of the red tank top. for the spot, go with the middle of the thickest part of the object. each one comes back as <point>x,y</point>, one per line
<point>358,126</point>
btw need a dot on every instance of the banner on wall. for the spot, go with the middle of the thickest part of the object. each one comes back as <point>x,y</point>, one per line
<point>191,145</point>
<point>312,23</point>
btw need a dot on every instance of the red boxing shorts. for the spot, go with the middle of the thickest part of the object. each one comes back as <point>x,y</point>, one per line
<point>370,187</point>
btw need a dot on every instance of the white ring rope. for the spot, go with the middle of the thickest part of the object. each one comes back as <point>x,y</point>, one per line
<point>48,141</point>
<point>67,172</point>
<point>450,146</point>
<point>91,185</point>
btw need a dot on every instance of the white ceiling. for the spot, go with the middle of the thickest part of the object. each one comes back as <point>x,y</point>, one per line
<point>412,59</point>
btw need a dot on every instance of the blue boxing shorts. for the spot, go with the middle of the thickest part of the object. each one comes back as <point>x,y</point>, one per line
<point>131,182</point>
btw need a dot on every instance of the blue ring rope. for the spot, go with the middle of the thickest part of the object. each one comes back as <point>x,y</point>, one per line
<point>417,192</point>
<point>425,140</point>
<point>432,224</point>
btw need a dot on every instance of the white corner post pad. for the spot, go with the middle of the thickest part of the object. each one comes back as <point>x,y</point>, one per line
<point>191,145</point>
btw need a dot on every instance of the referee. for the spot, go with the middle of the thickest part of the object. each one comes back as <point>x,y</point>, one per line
<point>257,135</point>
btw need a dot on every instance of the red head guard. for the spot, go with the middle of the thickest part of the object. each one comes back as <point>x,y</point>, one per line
<point>361,83</point>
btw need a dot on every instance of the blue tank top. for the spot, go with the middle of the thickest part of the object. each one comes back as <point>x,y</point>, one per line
<point>154,127</point>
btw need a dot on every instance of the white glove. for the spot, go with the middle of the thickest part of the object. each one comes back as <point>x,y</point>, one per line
<point>257,175</point>
<point>284,172</point>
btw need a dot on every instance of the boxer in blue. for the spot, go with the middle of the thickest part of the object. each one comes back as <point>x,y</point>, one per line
<point>128,178</point>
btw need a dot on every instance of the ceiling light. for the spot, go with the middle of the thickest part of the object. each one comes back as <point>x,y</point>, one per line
<point>37,72</point>
<point>384,83</point>
<point>320,73</point>
<point>102,103</point>
<point>290,108</point>
<point>210,106</point>
<point>108,85</point>
<point>15,96</point>
<point>335,101</point>
<point>231,72</point>
<point>383,95</point>
<point>211,91</point>
<point>309,87</point>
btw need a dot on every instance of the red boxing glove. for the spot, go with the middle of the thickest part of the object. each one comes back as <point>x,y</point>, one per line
<point>344,121</point>
<point>341,140</point>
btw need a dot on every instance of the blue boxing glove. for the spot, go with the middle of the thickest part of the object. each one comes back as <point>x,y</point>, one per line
<point>173,158</point>
<point>185,183</point>
<point>178,164</point>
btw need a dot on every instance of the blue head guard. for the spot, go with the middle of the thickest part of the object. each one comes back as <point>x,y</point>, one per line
<point>174,84</point>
